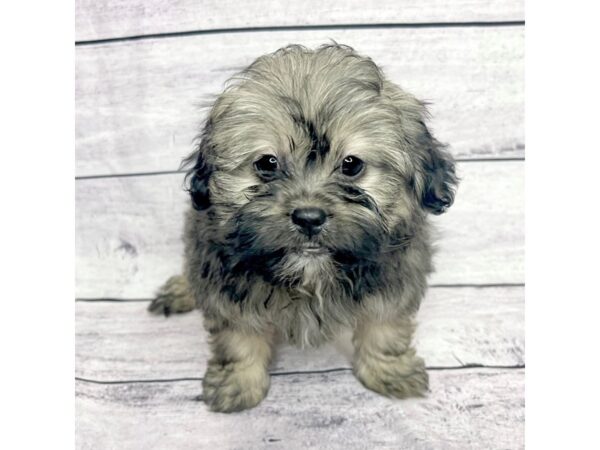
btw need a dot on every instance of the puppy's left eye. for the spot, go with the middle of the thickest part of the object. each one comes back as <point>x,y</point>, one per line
<point>352,166</point>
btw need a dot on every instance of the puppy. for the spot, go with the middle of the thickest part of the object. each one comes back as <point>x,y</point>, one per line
<point>310,188</point>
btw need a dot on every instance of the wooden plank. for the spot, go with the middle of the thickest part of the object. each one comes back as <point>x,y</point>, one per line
<point>465,409</point>
<point>128,231</point>
<point>457,326</point>
<point>136,102</point>
<point>105,19</point>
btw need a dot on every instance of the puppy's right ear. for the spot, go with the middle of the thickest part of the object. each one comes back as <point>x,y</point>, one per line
<point>198,187</point>
<point>198,177</point>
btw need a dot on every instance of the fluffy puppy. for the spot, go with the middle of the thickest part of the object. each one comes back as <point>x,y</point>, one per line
<point>310,188</point>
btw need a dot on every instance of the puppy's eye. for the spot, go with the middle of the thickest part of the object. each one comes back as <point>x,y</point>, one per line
<point>352,166</point>
<point>266,166</point>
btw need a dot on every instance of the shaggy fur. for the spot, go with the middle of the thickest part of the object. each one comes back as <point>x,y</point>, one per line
<point>310,185</point>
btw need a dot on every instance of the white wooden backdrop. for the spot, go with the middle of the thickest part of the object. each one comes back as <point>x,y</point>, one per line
<point>142,69</point>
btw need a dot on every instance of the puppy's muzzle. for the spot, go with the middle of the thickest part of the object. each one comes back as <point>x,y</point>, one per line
<point>309,220</point>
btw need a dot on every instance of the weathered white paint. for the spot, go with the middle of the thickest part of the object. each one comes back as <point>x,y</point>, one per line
<point>136,102</point>
<point>128,231</point>
<point>466,409</point>
<point>102,19</point>
<point>457,326</point>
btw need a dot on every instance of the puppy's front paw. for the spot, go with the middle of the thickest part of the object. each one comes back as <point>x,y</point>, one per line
<point>229,387</point>
<point>173,297</point>
<point>399,376</point>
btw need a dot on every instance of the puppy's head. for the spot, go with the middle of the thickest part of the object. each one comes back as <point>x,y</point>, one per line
<point>313,160</point>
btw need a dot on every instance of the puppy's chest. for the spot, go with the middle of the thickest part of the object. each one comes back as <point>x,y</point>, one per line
<point>306,316</point>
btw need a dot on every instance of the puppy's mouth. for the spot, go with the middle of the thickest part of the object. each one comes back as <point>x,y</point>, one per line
<point>312,249</point>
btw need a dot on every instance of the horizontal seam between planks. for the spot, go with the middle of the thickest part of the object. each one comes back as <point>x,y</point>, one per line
<point>134,174</point>
<point>492,159</point>
<point>174,172</point>
<point>433,286</point>
<point>305,372</point>
<point>476,24</point>
<point>113,300</point>
<point>476,285</point>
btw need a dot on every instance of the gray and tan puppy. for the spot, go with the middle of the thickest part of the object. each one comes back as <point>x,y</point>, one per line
<point>311,185</point>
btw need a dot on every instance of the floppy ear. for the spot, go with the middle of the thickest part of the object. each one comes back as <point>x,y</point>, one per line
<point>199,174</point>
<point>434,180</point>
<point>435,167</point>
<point>198,188</point>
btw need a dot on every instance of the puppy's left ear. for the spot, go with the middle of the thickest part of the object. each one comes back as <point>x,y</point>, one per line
<point>436,176</point>
<point>434,179</point>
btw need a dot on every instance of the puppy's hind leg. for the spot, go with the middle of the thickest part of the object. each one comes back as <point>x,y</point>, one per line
<point>173,297</point>
<point>384,360</point>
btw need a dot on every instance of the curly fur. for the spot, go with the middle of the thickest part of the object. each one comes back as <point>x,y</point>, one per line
<point>245,265</point>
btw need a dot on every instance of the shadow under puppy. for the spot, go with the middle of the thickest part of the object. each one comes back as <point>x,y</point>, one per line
<point>311,185</point>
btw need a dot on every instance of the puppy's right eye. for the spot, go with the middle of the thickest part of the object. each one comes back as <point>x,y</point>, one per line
<point>267,166</point>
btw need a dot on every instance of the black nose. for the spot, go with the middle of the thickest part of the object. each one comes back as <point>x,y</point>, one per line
<point>309,220</point>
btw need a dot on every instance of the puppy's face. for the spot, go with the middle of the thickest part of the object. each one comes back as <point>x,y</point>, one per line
<point>312,161</point>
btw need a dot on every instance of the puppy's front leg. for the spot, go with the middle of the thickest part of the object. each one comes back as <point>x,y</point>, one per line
<point>237,375</point>
<point>385,362</point>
